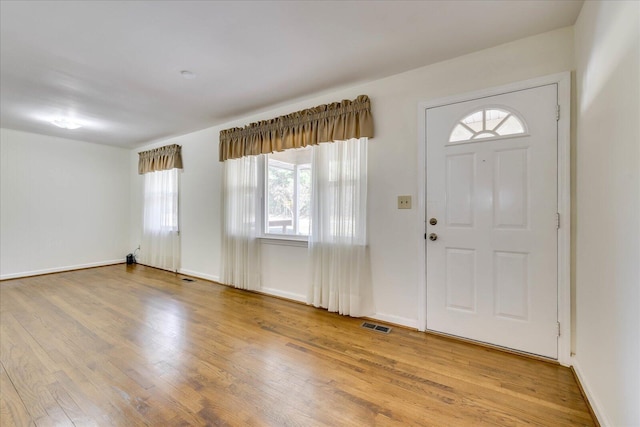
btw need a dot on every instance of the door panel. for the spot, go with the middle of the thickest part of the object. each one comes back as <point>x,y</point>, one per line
<point>460,184</point>
<point>460,279</point>
<point>511,289</point>
<point>492,272</point>
<point>510,184</point>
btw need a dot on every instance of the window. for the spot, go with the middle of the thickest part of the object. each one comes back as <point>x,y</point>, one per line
<point>160,244</point>
<point>487,123</point>
<point>161,201</point>
<point>288,193</point>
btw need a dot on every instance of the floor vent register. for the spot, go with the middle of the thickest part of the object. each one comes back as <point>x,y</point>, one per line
<point>377,328</point>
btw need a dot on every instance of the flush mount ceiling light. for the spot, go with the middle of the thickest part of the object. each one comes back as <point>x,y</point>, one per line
<point>189,75</point>
<point>65,124</point>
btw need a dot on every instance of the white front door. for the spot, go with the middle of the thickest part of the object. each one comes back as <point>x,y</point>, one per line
<point>492,214</point>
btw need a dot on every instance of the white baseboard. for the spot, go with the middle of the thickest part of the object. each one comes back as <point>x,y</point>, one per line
<point>389,318</point>
<point>396,320</point>
<point>284,294</point>
<point>586,387</point>
<point>199,275</point>
<point>266,291</point>
<point>60,269</point>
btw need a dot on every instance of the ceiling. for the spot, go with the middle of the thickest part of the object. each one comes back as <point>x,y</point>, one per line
<point>114,66</point>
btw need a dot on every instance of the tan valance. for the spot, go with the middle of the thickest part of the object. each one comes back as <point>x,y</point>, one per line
<point>160,159</point>
<point>330,122</point>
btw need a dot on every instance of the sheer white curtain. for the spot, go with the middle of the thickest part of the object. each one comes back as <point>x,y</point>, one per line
<point>160,245</point>
<point>341,273</point>
<point>241,204</point>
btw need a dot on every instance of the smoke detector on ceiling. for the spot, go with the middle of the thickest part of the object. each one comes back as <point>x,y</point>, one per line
<point>189,75</point>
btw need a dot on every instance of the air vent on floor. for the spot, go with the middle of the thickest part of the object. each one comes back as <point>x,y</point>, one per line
<point>186,279</point>
<point>377,328</point>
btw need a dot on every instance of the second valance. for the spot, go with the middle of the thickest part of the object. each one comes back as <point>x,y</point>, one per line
<point>338,121</point>
<point>159,159</point>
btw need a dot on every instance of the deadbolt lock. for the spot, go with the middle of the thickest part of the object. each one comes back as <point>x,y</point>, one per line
<point>433,221</point>
<point>433,237</point>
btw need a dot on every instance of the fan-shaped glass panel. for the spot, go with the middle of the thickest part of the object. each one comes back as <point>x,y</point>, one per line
<point>474,121</point>
<point>485,135</point>
<point>511,126</point>
<point>487,123</point>
<point>460,133</point>
<point>493,118</point>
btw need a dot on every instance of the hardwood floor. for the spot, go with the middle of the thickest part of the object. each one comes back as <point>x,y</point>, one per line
<point>129,346</point>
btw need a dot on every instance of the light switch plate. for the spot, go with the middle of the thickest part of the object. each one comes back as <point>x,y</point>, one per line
<point>404,202</point>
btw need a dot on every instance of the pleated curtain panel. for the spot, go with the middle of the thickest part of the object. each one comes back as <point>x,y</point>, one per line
<point>241,264</point>
<point>340,268</point>
<point>160,245</point>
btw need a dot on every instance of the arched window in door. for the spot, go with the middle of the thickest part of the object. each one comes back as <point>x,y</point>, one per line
<point>488,122</point>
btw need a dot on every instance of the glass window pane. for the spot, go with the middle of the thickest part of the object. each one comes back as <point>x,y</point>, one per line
<point>304,201</point>
<point>474,121</point>
<point>288,192</point>
<point>488,123</point>
<point>280,198</point>
<point>485,135</point>
<point>460,133</point>
<point>511,126</point>
<point>494,117</point>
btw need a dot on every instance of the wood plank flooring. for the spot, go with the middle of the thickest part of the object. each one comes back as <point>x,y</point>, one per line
<point>135,346</point>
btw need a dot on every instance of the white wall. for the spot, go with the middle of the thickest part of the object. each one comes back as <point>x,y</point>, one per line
<point>607,50</point>
<point>395,235</point>
<point>63,204</point>
<point>67,204</point>
<point>199,202</point>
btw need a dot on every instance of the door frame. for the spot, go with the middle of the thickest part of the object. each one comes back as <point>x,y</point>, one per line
<point>563,80</point>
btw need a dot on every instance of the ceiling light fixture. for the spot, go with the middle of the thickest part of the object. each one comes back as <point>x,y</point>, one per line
<point>189,75</point>
<point>65,123</point>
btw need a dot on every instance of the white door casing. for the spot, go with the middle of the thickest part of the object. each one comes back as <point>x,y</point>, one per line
<point>492,273</point>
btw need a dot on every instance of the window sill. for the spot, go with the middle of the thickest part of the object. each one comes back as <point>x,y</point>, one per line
<point>283,241</point>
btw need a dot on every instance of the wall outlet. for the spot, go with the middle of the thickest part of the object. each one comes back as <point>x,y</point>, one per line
<point>404,202</point>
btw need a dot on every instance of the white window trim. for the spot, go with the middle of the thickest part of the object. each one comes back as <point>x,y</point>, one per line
<point>280,241</point>
<point>493,138</point>
<point>273,238</point>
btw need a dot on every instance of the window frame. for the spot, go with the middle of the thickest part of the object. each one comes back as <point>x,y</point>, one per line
<point>169,222</point>
<point>281,238</point>
<point>510,112</point>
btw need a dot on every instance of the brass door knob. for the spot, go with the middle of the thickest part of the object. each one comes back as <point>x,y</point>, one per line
<point>433,237</point>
